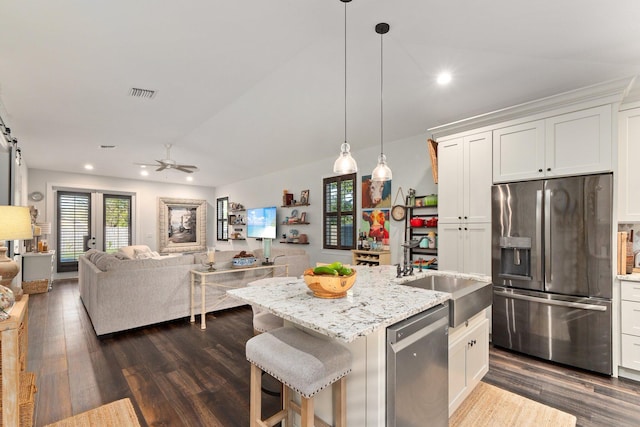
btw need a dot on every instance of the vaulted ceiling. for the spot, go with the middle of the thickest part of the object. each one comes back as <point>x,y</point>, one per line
<point>256,84</point>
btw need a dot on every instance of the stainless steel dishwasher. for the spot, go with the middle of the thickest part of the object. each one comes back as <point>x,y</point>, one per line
<point>418,370</point>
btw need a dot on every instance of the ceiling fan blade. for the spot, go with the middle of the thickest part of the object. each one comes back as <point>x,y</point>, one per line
<point>161,168</point>
<point>183,168</point>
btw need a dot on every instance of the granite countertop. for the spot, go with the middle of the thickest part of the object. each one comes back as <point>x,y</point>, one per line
<point>375,301</point>
<point>635,277</point>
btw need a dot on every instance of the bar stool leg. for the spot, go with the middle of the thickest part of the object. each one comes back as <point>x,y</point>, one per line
<point>340,402</point>
<point>255,405</point>
<point>287,394</point>
<point>307,413</point>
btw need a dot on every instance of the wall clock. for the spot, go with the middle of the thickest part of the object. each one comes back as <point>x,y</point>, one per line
<point>36,196</point>
<point>398,212</point>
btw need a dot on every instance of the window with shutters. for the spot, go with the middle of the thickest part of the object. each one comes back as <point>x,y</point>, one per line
<point>222,222</point>
<point>73,225</point>
<point>117,222</point>
<point>339,216</point>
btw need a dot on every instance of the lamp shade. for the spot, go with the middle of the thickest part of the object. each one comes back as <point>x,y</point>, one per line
<point>15,223</point>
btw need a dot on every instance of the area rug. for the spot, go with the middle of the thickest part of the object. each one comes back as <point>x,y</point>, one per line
<point>491,406</point>
<point>115,414</point>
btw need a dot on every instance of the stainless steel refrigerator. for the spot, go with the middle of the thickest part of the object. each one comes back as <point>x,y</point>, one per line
<point>552,269</point>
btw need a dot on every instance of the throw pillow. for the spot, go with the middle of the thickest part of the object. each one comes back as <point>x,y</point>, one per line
<point>129,251</point>
<point>142,254</point>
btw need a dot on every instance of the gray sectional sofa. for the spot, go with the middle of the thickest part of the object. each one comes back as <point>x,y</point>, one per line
<point>120,293</point>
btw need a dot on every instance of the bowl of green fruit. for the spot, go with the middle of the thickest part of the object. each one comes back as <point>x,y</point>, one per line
<point>330,281</point>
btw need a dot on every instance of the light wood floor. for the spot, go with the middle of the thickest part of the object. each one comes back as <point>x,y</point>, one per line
<point>178,375</point>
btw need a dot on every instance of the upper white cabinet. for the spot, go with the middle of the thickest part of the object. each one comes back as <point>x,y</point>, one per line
<point>628,170</point>
<point>464,181</point>
<point>518,152</point>
<point>568,144</point>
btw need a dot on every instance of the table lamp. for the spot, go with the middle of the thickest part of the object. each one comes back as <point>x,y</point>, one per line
<point>15,224</point>
<point>45,230</point>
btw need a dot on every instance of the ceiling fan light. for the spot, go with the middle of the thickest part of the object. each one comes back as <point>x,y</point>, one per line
<point>382,172</point>
<point>345,163</point>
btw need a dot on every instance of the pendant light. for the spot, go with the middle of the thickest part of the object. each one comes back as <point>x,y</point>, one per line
<point>345,163</point>
<point>382,172</point>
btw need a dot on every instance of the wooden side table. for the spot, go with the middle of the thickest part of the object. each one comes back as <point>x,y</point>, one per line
<point>14,349</point>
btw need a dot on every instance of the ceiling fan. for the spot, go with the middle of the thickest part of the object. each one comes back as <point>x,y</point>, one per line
<point>168,163</point>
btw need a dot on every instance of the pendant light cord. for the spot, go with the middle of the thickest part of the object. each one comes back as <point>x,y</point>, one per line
<point>381,98</point>
<point>345,72</point>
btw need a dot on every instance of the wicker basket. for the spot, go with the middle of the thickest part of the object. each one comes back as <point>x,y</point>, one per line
<point>36,286</point>
<point>26,399</point>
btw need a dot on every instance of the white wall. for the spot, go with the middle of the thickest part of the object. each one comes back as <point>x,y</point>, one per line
<point>408,159</point>
<point>146,192</point>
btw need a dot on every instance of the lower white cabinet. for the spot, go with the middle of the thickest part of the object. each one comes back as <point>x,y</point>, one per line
<point>630,325</point>
<point>465,247</point>
<point>468,358</point>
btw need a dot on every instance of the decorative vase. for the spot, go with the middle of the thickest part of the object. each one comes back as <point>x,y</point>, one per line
<point>7,300</point>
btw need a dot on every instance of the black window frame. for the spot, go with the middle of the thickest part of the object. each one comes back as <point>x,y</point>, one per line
<point>129,219</point>
<point>222,218</point>
<point>329,214</point>
<point>63,265</point>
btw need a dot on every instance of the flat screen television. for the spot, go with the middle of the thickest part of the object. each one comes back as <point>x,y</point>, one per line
<point>261,222</point>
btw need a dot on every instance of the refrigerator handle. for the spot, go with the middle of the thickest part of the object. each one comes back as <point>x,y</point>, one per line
<point>547,237</point>
<point>538,254</point>
<point>559,303</point>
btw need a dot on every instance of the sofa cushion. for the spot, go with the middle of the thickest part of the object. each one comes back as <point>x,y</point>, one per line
<point>130,251</point>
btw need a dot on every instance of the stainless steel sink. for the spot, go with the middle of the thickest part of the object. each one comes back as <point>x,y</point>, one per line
<point>468,296</point>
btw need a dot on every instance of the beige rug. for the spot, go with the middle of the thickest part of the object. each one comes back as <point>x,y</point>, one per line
<point>491,406</point>
<point>115,414</point>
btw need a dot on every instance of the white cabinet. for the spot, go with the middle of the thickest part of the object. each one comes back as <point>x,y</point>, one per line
<point>37,267</point>
<point>464,179</point>
<point>568,144</point>
<point>468,358</point>
<point>518,152</point>
<point>628,170</point>
<point>630,325</point>
<point>464,204</point>
<point>465,247</point>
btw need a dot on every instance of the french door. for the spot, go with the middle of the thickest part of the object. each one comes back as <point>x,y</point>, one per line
<point>86,220</point>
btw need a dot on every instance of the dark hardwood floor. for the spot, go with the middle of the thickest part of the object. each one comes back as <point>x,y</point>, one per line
<point>178,375</point>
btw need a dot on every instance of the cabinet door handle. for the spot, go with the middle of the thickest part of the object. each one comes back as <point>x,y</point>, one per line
<point>539,170</point>
<point>459,217</point>
<point>548,169</point>
<point>459,228</point>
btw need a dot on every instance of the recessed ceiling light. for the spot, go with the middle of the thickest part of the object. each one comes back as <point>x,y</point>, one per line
<point>444,78</point>
<point>189,178</point>
<point>143,166</point>
<point>88,167</point>
<point>144,172</point>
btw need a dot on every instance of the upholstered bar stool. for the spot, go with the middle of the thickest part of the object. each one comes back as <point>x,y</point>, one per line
<point>263,321</point>
<point>302,363</point>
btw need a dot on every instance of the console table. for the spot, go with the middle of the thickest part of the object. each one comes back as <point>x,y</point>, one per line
<point>201,277</point>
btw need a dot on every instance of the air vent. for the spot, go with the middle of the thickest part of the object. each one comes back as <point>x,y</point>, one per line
<point>142,93</point>
<point>108,147</point>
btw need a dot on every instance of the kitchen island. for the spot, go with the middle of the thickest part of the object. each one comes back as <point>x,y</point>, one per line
<point>359,321</point>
